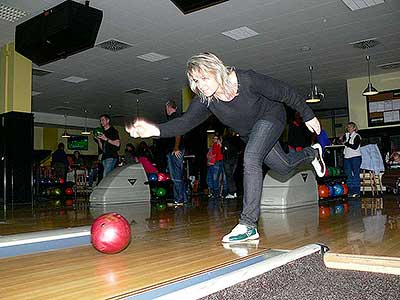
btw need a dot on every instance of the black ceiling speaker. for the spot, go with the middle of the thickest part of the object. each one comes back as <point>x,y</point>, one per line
<point>59,32</point>
<point>189,6</point>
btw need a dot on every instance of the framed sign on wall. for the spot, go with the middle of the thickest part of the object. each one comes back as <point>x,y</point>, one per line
<point>384,108</point>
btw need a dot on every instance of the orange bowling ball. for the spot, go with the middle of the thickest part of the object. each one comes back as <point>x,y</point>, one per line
<point>324,212</point>
<point>323,191</point>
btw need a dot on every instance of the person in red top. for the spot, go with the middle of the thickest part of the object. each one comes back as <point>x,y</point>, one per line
<point>218,166</point>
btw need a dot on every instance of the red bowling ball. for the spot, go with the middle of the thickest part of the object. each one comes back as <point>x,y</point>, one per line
<point>345,189</point>
<point>162,177</point>
<point>68,191</point>
<point>110,233</point>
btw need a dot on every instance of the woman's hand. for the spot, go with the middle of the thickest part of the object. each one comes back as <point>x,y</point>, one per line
<point>313,125</point>
<point>143,129</point>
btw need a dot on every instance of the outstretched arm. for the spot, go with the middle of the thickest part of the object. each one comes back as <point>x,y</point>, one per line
<point>196,114</point>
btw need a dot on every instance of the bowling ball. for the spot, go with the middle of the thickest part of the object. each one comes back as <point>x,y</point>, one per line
<point>110,233</point>
<point>152,177</point>
<point>162,177</point>
<point>57,192</point>
<point>323,191</point>
<point>69,202</point>
<point>161,206</point>
<point>167,177</point>
<point>324,212</point>
<point>346,207</point>
<point>69,191</point>
<point>61,180</point>
<point>345,189</point>
<point>98,131</point>
<point>337,189</point>
<point>161,192</point>
<point>331,191</point>
<point>330,173</point>
<point>339,209</point>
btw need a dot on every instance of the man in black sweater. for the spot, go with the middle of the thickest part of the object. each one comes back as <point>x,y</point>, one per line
<point>252,104</point>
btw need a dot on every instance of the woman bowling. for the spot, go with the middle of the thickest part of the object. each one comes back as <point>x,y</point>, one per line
<point>251,104</point>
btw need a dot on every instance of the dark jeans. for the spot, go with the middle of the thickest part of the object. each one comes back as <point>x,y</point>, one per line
<point>263,147</point>
<point>218,174</point>
<point>352,171</point>
<point>175,167</point>
<point>229,168</point>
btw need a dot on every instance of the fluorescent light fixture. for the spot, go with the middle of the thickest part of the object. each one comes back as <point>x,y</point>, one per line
<point>210,131</point>
<point>74,79</point>
<point>85,132</point>
<point>11,14</point>
<point>65,134</point>
<point>34,93</point>
<point>240,33</point>
<point>152,57</point>
<point>359,4</point>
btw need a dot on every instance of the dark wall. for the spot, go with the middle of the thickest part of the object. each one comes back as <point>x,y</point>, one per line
<point>16,150</point>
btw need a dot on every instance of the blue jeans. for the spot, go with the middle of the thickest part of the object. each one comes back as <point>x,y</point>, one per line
<point>175,167</point>
<point>218,172</point>
<point>352,171</point>
<point>210,178</point>
<point>263,147</point>
<point>109,165</point>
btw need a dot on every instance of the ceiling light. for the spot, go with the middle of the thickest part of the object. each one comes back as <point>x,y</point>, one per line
<point>74,79</point>
<point>11,14</point>
<point>240,33</point>
<point>359,4</point>
<point>370,90</point>
<point>315,95</point>
<point>85,131</point>
<point>65,133</point>
<point>152,57</point>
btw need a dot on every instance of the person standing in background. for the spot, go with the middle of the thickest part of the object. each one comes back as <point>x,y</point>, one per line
<point>230,151</point>
<point>175,152</point>
<point>109,144</point>
<point>59,162</point>
<point>352,158</point>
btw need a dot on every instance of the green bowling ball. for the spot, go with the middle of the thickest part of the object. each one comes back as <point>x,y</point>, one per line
<point>330,172</point>
<point>98,131</point>
<point>161,192</point>
<point>161,206</point>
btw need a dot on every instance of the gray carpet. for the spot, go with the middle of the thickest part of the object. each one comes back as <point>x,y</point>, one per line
<point>308,278</point>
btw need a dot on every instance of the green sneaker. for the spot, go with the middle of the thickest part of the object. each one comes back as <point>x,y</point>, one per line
<point>241,233</point>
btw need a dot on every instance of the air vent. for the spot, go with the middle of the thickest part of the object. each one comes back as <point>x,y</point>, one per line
<point>113,45</point>
<point>137,91</point>
<point>390,66</point>
<point>40,72</point>
<point>365,44</point>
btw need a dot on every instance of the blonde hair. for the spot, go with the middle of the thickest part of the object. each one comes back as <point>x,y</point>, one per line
<point>209,63</point>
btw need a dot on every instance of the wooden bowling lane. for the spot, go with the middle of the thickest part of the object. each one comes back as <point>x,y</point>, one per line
<point>174,243</point>
<point>153,258</point>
